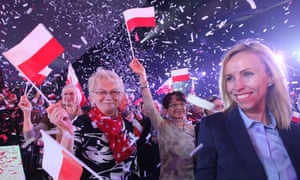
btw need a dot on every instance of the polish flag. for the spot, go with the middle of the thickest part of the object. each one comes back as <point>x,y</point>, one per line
<point>200,102</point>
<point>58,162</point>
<point>296,117</point>
<point>139,17</point>
<point>180,75</point>
<point>72,79</point>
<point>36,51</point>
<point>166,87</point>
<point>41,76</point>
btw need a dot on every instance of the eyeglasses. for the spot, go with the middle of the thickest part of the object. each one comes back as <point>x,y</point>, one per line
<point>113,93</point>
<point>178,104</point>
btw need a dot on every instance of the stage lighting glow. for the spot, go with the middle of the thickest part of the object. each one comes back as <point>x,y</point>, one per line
<point>280,60</point>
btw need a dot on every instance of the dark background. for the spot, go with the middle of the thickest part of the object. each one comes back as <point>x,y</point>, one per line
<point>189,33</point>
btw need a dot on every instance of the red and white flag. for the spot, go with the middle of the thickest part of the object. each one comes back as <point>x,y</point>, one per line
<point>180,75</point>
<point>165,88</point>
<point>72,79</point>
<point>139,17</point>
<point>41,76</point>
<point>35,52</point>
<point>59,163</point>
<point>296,117</point>
<point>200,102</point>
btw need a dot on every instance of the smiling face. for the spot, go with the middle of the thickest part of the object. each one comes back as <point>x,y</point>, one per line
<point>106,96</point>
<point>69,97</point>
<point>176,109</point>
<point>246,81</point>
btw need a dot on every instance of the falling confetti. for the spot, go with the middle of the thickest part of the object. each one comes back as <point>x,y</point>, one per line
<point>189,34</point>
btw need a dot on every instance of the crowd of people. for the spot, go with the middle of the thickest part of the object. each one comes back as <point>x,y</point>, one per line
<point>247,135</point>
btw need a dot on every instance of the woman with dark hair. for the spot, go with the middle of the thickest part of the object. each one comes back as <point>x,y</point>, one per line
<point>176,136</point>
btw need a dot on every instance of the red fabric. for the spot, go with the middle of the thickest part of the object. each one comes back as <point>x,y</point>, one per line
<point>69,173</point>
<point>180,78</point>
<point>118,142</point>
<point>4,138</point>
<point>139,17</point>
<point>138,101</point>
<point>165,88</point>
<point>38,79</point>
<point>48,53</point>
<point>72,79</point>
<point>137,132</point>
<point>140,22</point>
<point>296,117</point>
<point>180,75</point>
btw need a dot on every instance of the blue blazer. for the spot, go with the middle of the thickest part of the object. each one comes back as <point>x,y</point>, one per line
<point>228,153</point>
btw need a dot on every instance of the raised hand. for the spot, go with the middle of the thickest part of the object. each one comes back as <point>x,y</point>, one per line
<point>59,116</point>
<point>24,104</point>
<point>137,67</point>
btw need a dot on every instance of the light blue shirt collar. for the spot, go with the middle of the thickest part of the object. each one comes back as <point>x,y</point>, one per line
<point>249,122</point>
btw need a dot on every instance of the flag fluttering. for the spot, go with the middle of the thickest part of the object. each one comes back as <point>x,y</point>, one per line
<point>166,87</point>
<point>179,75</point>
<point>41,76</point>
<point>139,17</point>
<point>296,117</point>
<point>35,52</point>
<point>72,79</point>
<point>203,103</point>
<point>58,162</point>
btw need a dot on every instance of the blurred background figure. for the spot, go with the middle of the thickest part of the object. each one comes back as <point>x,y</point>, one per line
<point>218,102</point>
<point>195,114</point>
<point>147,146</point>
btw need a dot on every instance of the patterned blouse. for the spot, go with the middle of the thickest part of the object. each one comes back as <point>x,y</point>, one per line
<point>175,145</point>
<point>92,147</point>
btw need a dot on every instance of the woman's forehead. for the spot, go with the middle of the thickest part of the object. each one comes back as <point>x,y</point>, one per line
<point>175,98</point>
<point>69,90</point>
<point>105,84</point>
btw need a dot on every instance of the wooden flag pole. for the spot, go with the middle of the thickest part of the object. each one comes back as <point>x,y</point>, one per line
<point>130,42</point>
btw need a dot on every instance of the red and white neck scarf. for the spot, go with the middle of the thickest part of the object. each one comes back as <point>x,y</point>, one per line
<point>112,128</point>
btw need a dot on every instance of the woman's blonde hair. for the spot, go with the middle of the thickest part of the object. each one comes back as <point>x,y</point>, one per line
<point>278,99</point>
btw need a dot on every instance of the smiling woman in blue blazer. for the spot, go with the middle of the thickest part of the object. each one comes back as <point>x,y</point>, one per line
<point>254,137</point>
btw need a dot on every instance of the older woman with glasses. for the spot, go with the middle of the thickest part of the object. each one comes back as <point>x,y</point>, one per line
<point>176,136</point>
<point>102,138</point>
